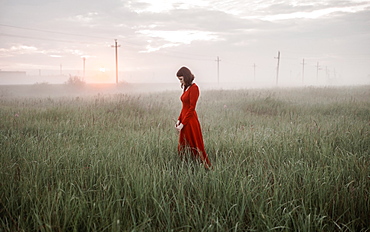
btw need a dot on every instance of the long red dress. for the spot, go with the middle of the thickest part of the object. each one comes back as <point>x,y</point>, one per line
<point>191,134</point>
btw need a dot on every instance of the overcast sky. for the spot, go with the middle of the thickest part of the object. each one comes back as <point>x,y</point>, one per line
<point>157,37</point>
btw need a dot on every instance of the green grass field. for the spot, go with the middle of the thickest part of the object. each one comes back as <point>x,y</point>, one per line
<point>283,160</point>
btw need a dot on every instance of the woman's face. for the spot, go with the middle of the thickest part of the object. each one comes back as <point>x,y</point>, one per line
<point>181,79</point>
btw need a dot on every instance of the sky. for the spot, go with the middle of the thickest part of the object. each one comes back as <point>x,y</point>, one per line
<point>231,41</point>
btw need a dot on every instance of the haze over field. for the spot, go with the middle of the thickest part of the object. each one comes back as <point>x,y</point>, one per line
<point>322,42</point>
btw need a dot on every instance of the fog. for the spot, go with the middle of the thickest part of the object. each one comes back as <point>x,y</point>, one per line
<point>48,83</point>
<point>45,90</point>
<point>167,80</point>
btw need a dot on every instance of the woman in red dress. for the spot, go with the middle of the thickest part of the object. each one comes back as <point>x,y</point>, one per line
<point>190,139</point>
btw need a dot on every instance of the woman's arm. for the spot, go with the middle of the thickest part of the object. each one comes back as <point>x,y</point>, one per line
<point>193,95</point>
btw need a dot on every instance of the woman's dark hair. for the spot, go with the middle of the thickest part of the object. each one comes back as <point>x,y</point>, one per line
<point>187,75</point>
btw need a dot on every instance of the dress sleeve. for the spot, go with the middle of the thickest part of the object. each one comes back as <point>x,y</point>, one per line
<point>193,95</point>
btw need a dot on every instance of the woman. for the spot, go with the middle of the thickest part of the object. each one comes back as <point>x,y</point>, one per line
<point>188,125</point>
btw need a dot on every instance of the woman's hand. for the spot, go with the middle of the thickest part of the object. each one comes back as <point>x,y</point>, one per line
<point>179,127</point>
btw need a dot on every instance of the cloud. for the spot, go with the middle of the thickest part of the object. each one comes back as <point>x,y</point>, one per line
<point>311,10</point>
<point>166,31</point>
<point>176,38</point>
<point>181,36</point>
<point>86,18</point>
<point>164,6</point>
<point>18,50</point>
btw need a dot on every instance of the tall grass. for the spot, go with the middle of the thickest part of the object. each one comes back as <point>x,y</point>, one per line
<point>283,160</point>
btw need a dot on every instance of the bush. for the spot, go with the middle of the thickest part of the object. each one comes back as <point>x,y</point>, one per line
<point>75,81</point>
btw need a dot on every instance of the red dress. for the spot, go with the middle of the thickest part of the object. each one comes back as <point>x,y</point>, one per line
<point>191,134</point>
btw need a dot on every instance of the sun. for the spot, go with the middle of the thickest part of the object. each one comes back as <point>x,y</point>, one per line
<point>102,69</point>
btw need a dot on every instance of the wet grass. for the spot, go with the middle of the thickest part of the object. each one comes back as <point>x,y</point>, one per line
<point>284,160</point>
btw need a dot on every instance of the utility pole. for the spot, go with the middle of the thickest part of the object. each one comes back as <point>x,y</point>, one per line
<point>277,69</point>
<point>303,63</point>
<point>254,72</point>
<point>218,70</point>
<point>317,72</point>
<point>116,47</point>
<point>327,71</point>
<point>84,61</point>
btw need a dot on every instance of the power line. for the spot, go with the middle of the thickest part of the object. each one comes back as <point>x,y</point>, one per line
<point>81,42</point>
<point>38,38</point>
<point>53,32</point>
<point>318,53</point>
<point>57,32</point>
<point>160,53</point>
<point>200,56</point>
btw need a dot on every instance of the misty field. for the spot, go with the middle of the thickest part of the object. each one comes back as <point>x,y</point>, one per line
<point>283,160</point>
